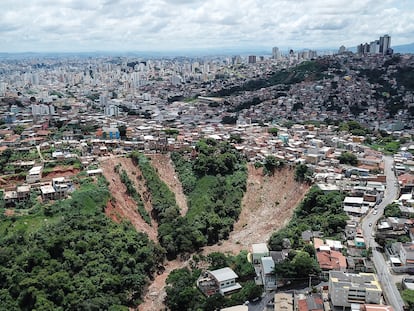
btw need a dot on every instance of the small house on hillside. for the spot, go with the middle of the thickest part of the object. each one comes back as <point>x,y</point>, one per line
<point>221,281</point>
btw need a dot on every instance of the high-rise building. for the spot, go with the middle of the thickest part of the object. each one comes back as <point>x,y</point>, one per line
<point>384,44</point>
<point>276,53</point>
<point>342,49</point>
<point>381,46</point>
<point>252,59</point>
<point>374,47</point>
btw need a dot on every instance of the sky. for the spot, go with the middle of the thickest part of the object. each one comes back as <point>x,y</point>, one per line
<point>169,25</point>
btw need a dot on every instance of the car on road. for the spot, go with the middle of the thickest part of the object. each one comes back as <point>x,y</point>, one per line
<point>370,224</point>
<point>375,213</point>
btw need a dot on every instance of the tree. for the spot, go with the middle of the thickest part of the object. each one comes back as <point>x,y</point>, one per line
<point>217,260</point>
<point>392,210</point>
<point>122,131</point>
<point>18,129</point>
<point>302,173</point>
<point>271,163</point>
<point>273,131</point>
<point>348,158</point>
<point>181,291</point>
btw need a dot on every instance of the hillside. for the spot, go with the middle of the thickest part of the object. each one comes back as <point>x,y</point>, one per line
<point>259,218</point>
<point>165,168</point>
<point>267,206</point>
<point>122,206</point>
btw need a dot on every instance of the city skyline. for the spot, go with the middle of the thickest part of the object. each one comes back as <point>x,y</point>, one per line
<point>165,25</point>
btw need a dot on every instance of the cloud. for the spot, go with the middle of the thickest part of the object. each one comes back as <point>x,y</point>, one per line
<point>166,24</point>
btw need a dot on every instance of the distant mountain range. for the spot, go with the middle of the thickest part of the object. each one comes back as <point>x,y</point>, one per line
<point>405,48</point>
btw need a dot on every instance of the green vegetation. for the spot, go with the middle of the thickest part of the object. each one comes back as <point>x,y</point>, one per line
<point>303,173</point>
<point>171,132</point>
<point>271,164</point>
<point>273,131</point>
<point>18,129</point>
<point>70,256</point>
<point>309,70</point>
<point>69,163</point>
<point>215,181</point>
<point>175,234</point>
<point>408,297</point>
<point>405,77</point>
<point>392,210</point>
<point>348,158</point>
<point>354,128</point>
<point>58,94</point>
<point>297,266</point>
<point>132,192</point>
<point>386,143</point>
<point>182,293</point>
<point>319,211</point>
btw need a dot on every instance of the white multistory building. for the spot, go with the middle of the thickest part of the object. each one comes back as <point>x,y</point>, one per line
<point>348,288</point>
<point>42,110</point>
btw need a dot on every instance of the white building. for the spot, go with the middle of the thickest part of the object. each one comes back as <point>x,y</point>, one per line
<point>348,288</point>
<point>221,281</point>
<point>34,175</point>
<point>259,250</point>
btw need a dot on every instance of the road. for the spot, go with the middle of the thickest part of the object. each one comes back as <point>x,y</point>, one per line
<point>391,292</point>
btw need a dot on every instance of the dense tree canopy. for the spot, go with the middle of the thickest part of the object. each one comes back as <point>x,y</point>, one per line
<point>348,158</point>
<point>182,293</point>
<point>214,181</point>
<point>70,256</point>
<point>318,211</point>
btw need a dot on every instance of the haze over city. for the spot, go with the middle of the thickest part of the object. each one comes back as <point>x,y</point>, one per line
<point>165,25</point>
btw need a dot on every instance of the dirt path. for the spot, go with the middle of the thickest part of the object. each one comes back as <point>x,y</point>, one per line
<point>166,171</point>
<point>154,299</point>
<point>267,206</point>
<point>123,206</point>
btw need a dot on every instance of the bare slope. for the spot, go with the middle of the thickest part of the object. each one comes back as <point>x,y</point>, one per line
<point>267,206</point>
<point>165,168</point>
<point>123,206</point>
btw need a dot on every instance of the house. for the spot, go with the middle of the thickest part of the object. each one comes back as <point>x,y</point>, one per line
<point>34,175</point>
<point>221,281</point>
<point>359,242</point>
<point>355,205</point>
<point>267,274</point>
<point>21,194</point>
<point>47,192</point>
<point>284,301</point>
<point>331,260</point>
<point>259,250</point>
<point>61,187</point>
<point>110,133</point>
<point>279,256</point>
<point>359,264</point>
<point>94,172</point>
<point>313,302</point>
<point>308,235</point>
<point>348,288</point>
<point>405,252</point>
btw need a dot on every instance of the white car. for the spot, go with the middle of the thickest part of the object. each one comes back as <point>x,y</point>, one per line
<point>375,213</point>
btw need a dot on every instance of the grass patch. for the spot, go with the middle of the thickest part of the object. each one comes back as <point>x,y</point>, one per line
<point>200,197</point>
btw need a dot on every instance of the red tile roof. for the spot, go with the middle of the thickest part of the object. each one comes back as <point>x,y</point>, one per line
<point>333,260</point>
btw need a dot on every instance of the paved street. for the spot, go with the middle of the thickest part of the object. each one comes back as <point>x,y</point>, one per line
<point>391,292</point>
